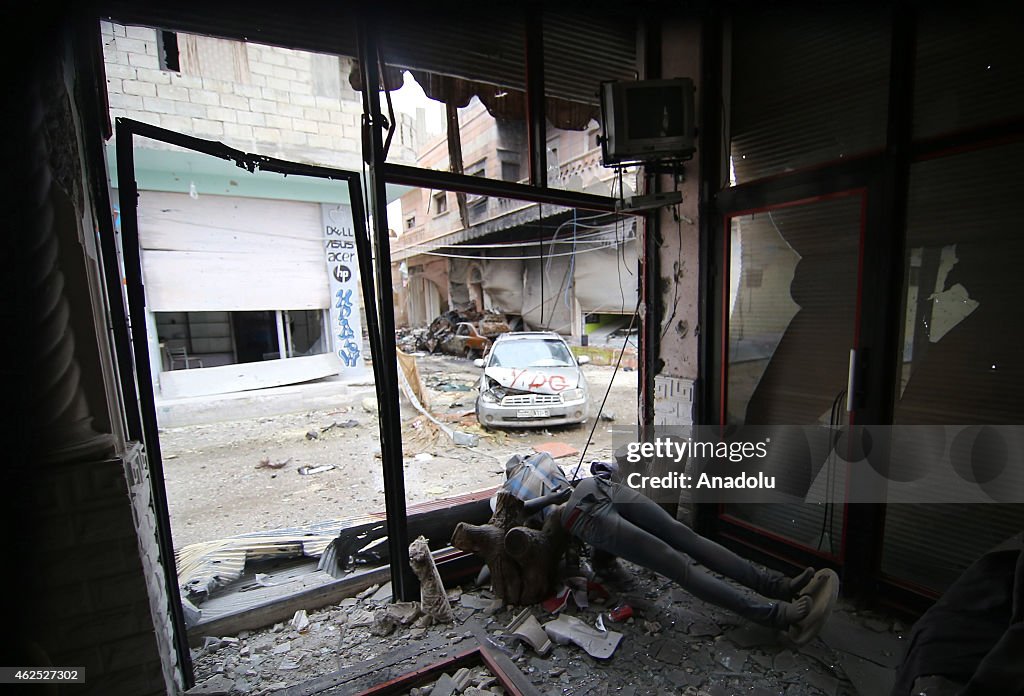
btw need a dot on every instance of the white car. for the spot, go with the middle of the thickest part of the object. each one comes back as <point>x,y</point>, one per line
<point>531,379</point>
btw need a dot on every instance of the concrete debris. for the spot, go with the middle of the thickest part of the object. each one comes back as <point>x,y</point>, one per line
<point>368,591</point>
<point>312,435</point>
<point>310,470</point>
<point>443,334</point>
<point>651,627</point>
<point>350,423</point>
<point>369,405</point>
<point>568,629</point>
<point>404,613</point>
<point>462,679</point>
<point>383,624</point>
<point>703,629</point>
<point>526,627</point>
<point>217,685</point>
<point>192,612</point>
<point>464,439</point>
<point>445,686</point>
<point>731,658</point>
<point>750,635</point>
<point>359,618</point>
<point>480,603</point>
<point>383,594</point>
<point>669,660</point>
<point>300,621</point>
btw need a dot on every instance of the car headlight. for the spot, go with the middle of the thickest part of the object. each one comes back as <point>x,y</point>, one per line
<point>572,395</point>
<point>489,397</point>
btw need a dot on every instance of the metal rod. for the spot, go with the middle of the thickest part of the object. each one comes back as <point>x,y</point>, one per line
<point>536,111</point>
<point>128,197</point>
<point>446,181</point>
<point>282,340</point>
<point>245,160</point>
<point>404,585</point>
<point>653,301</point>
<point>288,343</point>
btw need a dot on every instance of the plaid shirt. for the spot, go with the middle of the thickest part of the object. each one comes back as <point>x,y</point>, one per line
<point>534,476</point>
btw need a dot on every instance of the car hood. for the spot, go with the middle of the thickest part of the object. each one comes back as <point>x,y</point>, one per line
<point>539,380</point>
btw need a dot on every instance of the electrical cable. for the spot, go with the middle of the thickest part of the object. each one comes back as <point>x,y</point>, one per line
<point>828,519</point>
<point>600,409</point>
<point>676,271</point>
<point>572,266</point>
<point>618,269</point>
<point>522,258</point>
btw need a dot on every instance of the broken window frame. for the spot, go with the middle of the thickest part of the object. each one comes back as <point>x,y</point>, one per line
<point>145,429</point>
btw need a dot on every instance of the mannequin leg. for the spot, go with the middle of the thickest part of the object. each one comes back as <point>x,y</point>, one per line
<point>612,533</point>
<point>649,516</point>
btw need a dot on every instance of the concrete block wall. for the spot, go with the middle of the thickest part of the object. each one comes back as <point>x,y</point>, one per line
<point>105,608</point>
<point>275,101</point>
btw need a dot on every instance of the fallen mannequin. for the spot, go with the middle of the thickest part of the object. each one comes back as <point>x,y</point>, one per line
<point>539,517</point>
<point>615,519</point>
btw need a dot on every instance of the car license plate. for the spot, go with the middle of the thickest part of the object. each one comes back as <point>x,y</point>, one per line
<point>532,413</point>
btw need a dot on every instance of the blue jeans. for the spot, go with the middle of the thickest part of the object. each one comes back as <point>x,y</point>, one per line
<point>614,518</point>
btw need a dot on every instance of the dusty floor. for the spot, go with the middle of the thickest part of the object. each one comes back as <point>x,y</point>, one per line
<point>212,449</point>
<point>674,644</point>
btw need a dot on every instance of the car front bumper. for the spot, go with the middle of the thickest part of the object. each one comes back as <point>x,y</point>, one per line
<point>531,416</point>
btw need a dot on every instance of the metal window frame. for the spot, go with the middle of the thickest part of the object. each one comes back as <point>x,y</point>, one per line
<point>883,177</point>
<point>374,266</point>
<point>884,174</point>
<point>146,429</point>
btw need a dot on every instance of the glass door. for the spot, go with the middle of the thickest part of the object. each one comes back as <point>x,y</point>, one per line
<point>791,309</point>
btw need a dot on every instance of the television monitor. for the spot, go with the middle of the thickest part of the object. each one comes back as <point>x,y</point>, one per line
<point>647,121</point>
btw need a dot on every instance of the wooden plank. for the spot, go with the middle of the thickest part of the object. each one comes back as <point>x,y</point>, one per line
<point>508,675</point>
<point>402,684</point>
<point>345,681</point>
<point>498,662</point>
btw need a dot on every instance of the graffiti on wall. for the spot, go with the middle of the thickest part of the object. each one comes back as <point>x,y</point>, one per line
<point>343,273</point>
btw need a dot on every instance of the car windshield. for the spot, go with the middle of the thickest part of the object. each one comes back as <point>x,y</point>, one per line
<point>531,353</point>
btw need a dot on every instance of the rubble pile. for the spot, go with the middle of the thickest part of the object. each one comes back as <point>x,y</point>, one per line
<point>671,643</point>
<point>439,335</point>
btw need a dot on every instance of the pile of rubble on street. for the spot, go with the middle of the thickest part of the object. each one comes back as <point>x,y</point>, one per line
<point>442,335</point>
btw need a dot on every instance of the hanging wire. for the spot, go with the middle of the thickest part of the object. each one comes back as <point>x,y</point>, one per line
<point>522,258</point>
<point>600,409</point>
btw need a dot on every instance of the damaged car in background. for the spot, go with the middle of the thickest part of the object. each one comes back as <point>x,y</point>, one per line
<point>466,333</point>
<point>531,379</point>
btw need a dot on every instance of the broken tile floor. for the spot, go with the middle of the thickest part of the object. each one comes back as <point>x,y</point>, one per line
<point>674,644</point>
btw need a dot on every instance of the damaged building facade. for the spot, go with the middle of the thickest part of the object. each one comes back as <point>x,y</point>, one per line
<point>238,291</point>
<point>847,249</point>
<point>543,267</point>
